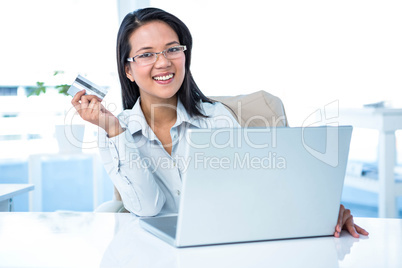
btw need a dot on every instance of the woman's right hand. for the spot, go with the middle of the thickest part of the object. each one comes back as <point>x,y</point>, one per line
<point>90,109</point>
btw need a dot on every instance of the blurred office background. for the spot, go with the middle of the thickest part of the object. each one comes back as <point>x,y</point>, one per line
<point>309,53</point>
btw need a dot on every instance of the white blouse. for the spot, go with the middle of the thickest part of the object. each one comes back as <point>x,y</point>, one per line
<point>146,176</point>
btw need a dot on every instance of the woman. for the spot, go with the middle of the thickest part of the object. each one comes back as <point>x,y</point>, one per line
<point>142,148</point>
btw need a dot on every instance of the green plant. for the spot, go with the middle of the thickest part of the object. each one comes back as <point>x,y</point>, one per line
<point>41,88</point>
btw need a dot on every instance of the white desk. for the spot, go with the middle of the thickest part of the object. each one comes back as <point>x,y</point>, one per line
<point>57,239</point>
<point>386,121</point>
<point>8,191</point>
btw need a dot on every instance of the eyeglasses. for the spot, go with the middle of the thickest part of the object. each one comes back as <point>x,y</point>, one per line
<point>151,57</point>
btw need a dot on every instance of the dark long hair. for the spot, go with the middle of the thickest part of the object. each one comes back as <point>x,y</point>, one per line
<point>189,93</point>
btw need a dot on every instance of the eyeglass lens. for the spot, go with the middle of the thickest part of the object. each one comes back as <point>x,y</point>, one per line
<point>170,54</point>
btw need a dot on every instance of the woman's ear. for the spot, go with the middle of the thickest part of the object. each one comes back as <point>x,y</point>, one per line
<point>129,73</point>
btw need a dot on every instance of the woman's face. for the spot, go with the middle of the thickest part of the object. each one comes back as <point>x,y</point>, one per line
<point>160,81</point>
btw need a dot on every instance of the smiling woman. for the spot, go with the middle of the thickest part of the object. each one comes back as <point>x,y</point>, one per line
<point>162,102</point>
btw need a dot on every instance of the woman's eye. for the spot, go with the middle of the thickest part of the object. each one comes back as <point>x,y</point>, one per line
<point>145,55</point>
<point>173,49</point>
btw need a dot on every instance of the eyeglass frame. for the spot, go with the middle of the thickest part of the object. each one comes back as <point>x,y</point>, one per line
<point>132,59</point>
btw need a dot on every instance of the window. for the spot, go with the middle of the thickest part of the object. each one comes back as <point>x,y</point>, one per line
<point>37,39</point>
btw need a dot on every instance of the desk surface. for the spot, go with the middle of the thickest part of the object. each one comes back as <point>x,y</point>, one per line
<point>8,191</point>
<point>69,239</point>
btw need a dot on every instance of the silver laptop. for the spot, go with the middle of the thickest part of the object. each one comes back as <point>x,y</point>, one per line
<point>257,184</point>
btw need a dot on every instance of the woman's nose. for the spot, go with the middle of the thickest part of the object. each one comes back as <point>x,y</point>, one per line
<point>162,61</point>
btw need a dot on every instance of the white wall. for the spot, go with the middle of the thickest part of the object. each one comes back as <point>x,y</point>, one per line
<point>309,53</point>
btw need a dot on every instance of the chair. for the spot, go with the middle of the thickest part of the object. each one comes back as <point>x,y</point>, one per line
<point>258,109</point>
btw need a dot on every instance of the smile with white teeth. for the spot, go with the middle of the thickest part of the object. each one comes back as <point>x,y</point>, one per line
<point>163,78</point>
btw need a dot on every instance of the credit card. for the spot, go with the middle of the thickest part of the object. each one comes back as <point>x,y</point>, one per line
<point>81,83</point>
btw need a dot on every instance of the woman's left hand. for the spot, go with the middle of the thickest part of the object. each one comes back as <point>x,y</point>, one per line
<point>345,221</point>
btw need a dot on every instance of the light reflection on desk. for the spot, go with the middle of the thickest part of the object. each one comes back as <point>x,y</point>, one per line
<point>133,247</point>
<point>69,239</point>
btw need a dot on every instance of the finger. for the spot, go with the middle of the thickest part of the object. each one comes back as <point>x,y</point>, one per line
<point>84,102</point>
<point>346,215</point>
<point>93,103</point>
<point>360,230</point>
<point>337,234</point>
<point>95,107</point>
<point>350,227</point>
<point>91,97</point>
<point>339,225</point>
<point>75,101</point>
